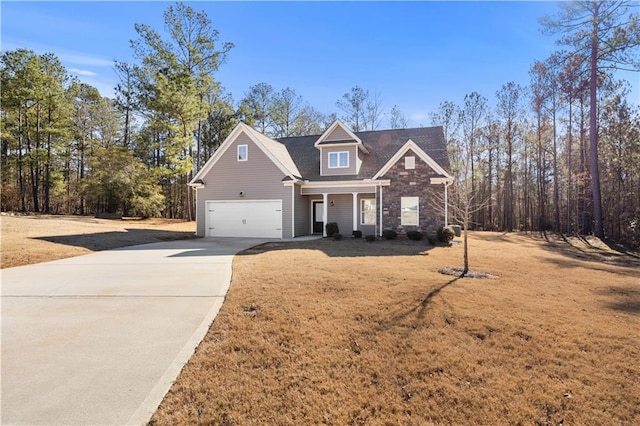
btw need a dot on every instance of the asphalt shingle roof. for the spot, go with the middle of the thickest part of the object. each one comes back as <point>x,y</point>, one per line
<point>381,144</point>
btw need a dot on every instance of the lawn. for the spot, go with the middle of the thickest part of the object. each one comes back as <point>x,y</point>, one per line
<point>28,239</point>
<point>349,333</point>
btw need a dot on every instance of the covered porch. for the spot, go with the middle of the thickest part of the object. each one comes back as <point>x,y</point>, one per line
<point>353,205</point>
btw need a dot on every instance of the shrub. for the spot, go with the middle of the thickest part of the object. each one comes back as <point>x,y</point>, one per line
<point>389,234</point>
<point>332,228</point>
<point>432,240</point>
<point>445,235</point>
<point>370,238</point>
<point>357,234</point>
<point>336,236</point>
<point>414,235</point>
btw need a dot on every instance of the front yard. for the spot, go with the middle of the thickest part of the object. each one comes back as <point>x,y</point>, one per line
<point>350,332</point>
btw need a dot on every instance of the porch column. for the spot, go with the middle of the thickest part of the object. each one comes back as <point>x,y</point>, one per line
<point>325,201</point>
<point>446,206</point>
<point>380,210</point>
<point>355,210</point>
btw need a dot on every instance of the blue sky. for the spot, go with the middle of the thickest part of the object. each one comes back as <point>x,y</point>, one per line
<point>415,54</point>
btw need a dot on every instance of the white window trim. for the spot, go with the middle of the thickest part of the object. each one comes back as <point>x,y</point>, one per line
<point>337,153</point>
<point>362,200</point>
<point>246,151</point>
<point>409,163</point>
<point>417,212</point>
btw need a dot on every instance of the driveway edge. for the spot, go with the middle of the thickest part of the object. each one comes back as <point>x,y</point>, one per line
<point>143,414</point>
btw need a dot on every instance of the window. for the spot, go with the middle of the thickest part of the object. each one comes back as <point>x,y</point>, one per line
<point>243,153</point>
<point>409,163</point>
<point>368,212</point>
<point>409,207</point>
<point>338,159</point>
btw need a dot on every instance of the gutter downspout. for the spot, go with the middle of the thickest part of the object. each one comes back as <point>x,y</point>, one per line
<point>293,210</point>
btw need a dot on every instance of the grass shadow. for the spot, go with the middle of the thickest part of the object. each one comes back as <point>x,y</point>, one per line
<point>581,261</point>
<point>578,250</point>
<point>117,239</point>
<point>626,299</point>
<point>420,309</point>
<point>348,247</point>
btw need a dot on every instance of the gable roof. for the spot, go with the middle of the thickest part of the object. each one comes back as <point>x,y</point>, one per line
<point>338,134</point>
<point>381,145</point>
<point>411,146</point>
<point>274,150</point>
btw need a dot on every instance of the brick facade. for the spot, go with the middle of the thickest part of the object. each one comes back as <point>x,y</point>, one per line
<point>411,183</point>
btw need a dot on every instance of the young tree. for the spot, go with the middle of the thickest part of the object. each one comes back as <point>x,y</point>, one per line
<point>373,112</point>
<point>472,118</point>
<point>397,119</point>
<point>448,116</point>
<point>120,183</point>
<point>286,106</point>
<point>354,105</point>
<point>309,122</point>
<point>608,34</point>
<point>257,105</point>
<point>509,109</point>
<point>571,82</point>
<point>125,98</point>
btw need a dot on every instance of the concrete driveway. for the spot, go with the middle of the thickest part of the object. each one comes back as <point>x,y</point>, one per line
<point>98,339</point>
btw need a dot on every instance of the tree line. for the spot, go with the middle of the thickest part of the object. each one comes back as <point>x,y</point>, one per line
<point>548,156</point>
<point>529,161</point>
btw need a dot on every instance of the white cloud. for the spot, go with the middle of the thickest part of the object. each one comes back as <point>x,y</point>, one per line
<point>85,73</point>
<point>80,59</point>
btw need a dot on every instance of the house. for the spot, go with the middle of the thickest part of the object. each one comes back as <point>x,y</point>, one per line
<point>255,186</point>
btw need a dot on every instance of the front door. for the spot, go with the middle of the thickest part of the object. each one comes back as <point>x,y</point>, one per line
<point>318,216</point>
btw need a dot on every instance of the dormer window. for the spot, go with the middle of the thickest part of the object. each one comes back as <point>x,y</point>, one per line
<point>243,153</point>
<point>339,159</point>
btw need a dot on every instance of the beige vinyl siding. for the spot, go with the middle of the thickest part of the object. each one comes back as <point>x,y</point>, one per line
<point>341,190</point>
<point>257,177</point>
<point>302,213</point>
<point>353,159</point>
<point>341,212</point>
<point>338,134</point>
<point>358,160</point>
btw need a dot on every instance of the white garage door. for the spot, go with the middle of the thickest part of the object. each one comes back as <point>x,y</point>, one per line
<point>254,219</point>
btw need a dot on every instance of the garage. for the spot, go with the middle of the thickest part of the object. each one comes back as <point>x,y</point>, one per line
<point>251,218</point>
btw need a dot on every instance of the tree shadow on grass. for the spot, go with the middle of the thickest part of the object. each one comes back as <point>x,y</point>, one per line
<point>117,239</point>
<point>419,310</point>
<point>626,299</point>
<point>580,248</point>
<point>348,247</point>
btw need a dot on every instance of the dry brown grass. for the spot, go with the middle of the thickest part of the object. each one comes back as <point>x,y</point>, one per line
<point>28,239</point>
<point>349,333</point>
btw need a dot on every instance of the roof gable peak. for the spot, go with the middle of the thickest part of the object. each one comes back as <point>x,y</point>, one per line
<point>339,133</point>
<point>412,146</point>
<point>274,150</point>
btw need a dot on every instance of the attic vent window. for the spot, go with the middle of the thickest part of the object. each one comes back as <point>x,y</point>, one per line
<point>243,153</point>
<point>409,163</point>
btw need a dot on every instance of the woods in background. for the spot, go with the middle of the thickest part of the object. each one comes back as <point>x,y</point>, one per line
<point>562,154</point>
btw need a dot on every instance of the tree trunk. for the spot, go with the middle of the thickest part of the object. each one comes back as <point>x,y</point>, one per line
<point>23,195</point>
<point>569,167</point>
<point>598,228</point>
<point>47,168</point>
<point>556,191</point>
